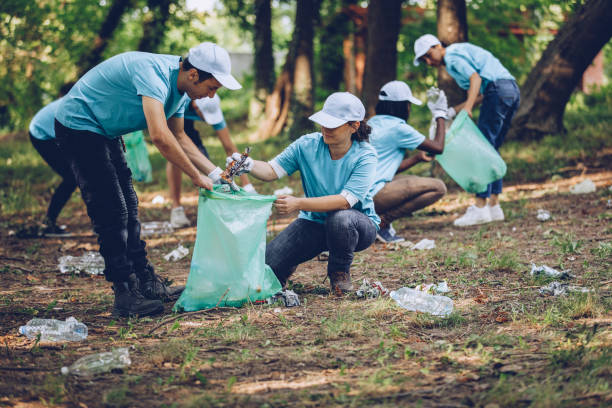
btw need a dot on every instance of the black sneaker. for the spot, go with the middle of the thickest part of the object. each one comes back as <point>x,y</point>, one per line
<point>130,302</point>
<point>154,287</point>
<point>340,282</point>
<point>52,230</point>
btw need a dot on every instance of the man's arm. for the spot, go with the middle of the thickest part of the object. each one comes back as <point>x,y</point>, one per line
<point>164,140</point>
<point>176,126</point>
<point>472,94</point>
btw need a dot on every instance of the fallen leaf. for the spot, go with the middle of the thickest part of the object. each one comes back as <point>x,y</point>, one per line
<point>482,298</point>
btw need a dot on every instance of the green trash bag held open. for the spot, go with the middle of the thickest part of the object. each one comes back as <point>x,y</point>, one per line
<point>137,157</point>
<point>468,157</point>
<point>229,253</point>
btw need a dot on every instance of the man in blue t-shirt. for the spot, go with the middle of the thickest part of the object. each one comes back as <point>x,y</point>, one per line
<point>129,92</point>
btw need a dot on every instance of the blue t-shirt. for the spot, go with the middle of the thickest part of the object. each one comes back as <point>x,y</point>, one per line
<point>463,59</point>
<point>108,99</point>
<point>321,176</point>
<point>191,114</point>
<point>42,126</point>
<point>391,136</point>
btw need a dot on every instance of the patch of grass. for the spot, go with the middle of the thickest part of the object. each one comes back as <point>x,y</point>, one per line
<point>567,244</point>
<point>504,261</point>
<point>342,324</point>
<point>240,330</point>
<point>603,251</point>
<point>427,321</point>
<point>53,389</point>
<point>117,397</point>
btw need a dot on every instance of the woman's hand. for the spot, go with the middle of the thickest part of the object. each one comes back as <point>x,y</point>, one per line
<point>424,156</point>
<point>286,204</point>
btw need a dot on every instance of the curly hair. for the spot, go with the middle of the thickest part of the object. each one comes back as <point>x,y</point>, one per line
<point>363,133</point>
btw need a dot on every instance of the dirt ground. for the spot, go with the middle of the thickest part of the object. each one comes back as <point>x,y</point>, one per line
<point>504,345</point>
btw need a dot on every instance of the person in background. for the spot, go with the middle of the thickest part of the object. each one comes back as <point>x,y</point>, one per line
<point>397,196</point>
<point>337,167</point>
<point>42,136</point>
<point>479,72</point>
<point>209,110</point>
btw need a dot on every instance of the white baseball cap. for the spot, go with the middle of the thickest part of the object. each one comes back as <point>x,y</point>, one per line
<point>211,58</point>
<point>422,45</point>
<point>339,108</point>
<point>211,109</point>
<point>397,91</point>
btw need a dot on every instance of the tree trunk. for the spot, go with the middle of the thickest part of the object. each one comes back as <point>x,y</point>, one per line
<point>552,81</point>
<point>452,28</point>
<point>264,58</point>
<point>110,24</point>
<point>154,25</point>
<point>384,21</point>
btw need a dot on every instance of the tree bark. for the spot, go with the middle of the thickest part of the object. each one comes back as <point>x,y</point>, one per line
<point>452,28</point>
<point>110,24</point>
<point>551,82</point>
<point>264,57</point>
<point>154,25</point>
<point>384,21</point>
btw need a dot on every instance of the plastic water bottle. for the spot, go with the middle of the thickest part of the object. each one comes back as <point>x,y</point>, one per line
<point>417,301</point>
<point>55,330</point>
<point>99,363</point>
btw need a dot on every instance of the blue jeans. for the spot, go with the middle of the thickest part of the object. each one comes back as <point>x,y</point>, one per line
<point>344,232</point>
<point>105,181</point>
<point>501,100</point>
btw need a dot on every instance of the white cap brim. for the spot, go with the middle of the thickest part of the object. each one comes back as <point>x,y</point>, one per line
<point>414,100</point>
<point>327,120</point>
<point>228,81</point>
<point>416,60</point>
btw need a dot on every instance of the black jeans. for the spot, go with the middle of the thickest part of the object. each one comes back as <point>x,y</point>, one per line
<point>50,153</point>
<point>344,232</point>
<point>105,181</point>
<point>194,135</point>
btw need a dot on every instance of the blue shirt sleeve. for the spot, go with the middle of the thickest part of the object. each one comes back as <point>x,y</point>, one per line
<point>288,159</point>
<point>362,177</point>
<point>149,83</point>
<point>460,69</point>
<point>220,125</point>
<point>408,137</point>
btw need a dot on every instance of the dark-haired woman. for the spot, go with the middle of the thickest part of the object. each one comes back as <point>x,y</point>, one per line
<point>399,196</point>
<point>337,167</point>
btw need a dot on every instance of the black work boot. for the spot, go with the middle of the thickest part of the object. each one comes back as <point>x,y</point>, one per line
<point>153,287</point>
<point>340,282</point>
<point>130,302</point>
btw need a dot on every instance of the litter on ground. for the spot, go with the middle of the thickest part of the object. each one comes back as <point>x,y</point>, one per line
<point>90,262</point>
<point>155,228</point>
<point>158,199</point>
<point>55,330</point>
<point>557,288</point>
<point>425,244</point>
<point>433,288</point>
<point>543,215</point>
<point>288,297</point>
<point>371,290</point>
<point>417,301</point>
<point>548,271</point>
<point>99,363</point>
<point>178,253</point>
<point>584,187</point>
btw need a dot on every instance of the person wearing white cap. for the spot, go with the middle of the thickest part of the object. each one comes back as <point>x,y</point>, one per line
<point>337,167</point>
<point>208,110</point>
<point>129,92</point>
<point>398,196</point>
<point>477,71</point>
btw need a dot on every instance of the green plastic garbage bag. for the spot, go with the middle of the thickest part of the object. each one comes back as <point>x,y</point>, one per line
<point>468,157</point>
<point>137,156</point>
<point>229,252</point>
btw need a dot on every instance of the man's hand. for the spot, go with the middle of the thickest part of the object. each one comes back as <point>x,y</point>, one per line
<point>286,204</point>
<point>424,156</point>
<point>202,181</point>
<point>468,111</point>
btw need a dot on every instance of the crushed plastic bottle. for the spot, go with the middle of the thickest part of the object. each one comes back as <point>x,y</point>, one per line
<point>417,301</point>
<point>557,289</point>
<point>543,215</point>
<point>179,253</point>
<point>425,244</point>
<point>99,363</point>
<point>55,330</point>
<point>155,228</point>
<point>432,288</point>
<point>90,262</point>
<point>584,187</point>
<point>548,271</point>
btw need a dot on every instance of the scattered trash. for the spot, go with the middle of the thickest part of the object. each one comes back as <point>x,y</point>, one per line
<point>584,187</point>
<point>609,206</point>
<point>90,262</point>
<point>178,253</point>
<point>415,300</point>
<point>283,191</point>
<point>158,200</point>
<point>543,215</point>
<point>288,297</point>
<point>425,244</point>
<point>432,288</point>
<point>452,234</point>
<point>99,363</point>
<point>371,290</point>
<point>548,271</point>
<point>323,256</point>
<point>557,288</point>
<point>155,228</point>
<point>55,330</point>
<point>513,229</point>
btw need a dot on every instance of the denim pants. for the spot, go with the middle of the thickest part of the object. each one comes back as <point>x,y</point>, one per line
<point>105,181</point>
<point>344,232</point>
<point>50,153</point>
<point>501,100</point>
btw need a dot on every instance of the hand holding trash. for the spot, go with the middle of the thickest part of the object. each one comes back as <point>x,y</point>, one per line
<point>202,181</point>
<point>215,175</point>
<point>286,204</point>
<point>437,103</point>
<point>245,167</point>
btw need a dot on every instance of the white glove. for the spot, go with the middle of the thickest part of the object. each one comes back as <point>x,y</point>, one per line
<point>246,167</point>
<point>451,113</point>
<point>439,106</point>
<point>215,175</point>
<point>249,188</point>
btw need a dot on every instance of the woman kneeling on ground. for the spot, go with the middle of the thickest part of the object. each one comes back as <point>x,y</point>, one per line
<point>399,196</point>
<point>337,168</point>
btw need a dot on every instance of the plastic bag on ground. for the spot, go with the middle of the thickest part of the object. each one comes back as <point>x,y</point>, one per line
<point>584,187</point>
<point>155,228</point>
<point>99,363</point>
<point>548,271</point>
<point>417,301</point>
<point>425,244</point>
<point>557,289</point>
<point>228,263</point>
<point>178,253</point>
<point>468,157</point>
<point>370,290</point>
<point>288,297</point>
<point>55,330</point>
<point>90,262</point>
<point>137,157</point>
<point>543,215</point>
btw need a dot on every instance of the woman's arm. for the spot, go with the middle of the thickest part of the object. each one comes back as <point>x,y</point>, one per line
<point>263,171</point>
<point>286,204</point>
<point>475,82</point>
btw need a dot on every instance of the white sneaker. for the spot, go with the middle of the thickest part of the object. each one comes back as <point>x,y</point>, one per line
<point>474,216</point>
<point>497,214</point>
<point>178,219</point>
